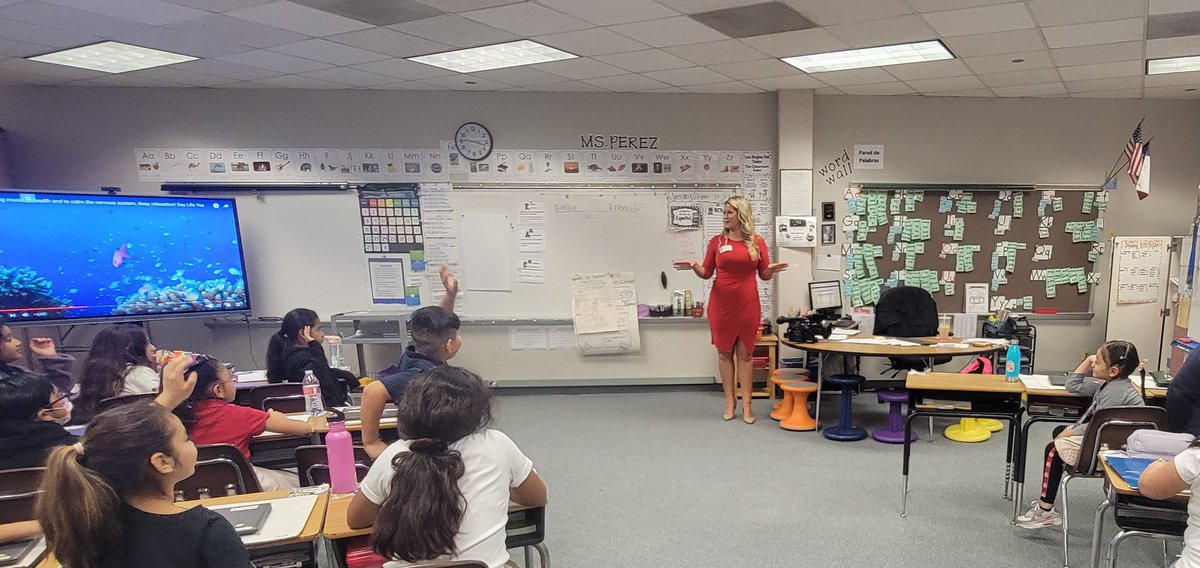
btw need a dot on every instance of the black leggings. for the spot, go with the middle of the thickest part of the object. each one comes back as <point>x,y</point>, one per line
<point>1051,474</point>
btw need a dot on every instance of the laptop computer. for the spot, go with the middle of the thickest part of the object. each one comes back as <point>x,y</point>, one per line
<point>246,519</point>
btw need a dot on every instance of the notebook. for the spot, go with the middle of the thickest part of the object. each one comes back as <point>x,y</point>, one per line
<point>1129,468</point>
<point>246,519</point>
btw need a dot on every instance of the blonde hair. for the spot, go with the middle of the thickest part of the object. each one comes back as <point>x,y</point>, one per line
<point>746,219</point>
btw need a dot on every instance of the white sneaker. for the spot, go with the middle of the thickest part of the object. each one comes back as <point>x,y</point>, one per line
<point>1037,517</point>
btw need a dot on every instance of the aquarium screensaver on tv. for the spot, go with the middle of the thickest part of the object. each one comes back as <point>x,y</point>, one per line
<point>72,257</point>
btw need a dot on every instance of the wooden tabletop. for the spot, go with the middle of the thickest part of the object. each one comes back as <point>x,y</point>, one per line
<point>963,382</point>
<point>870,350</point>
<point>1122,488</point>
<point>1054,392</point>
<point>321,426</point>
<point>1152,390</point>
<point>337,528</point>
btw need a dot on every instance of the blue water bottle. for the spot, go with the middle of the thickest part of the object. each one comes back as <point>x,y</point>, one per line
<point>1012,362</point>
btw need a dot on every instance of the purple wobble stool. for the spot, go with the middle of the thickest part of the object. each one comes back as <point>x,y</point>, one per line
<point>894,433</point>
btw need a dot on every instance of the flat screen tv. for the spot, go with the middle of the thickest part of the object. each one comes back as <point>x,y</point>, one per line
<point>70,257</point>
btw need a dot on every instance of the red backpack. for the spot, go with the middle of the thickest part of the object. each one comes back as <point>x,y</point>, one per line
<point>979,366</point>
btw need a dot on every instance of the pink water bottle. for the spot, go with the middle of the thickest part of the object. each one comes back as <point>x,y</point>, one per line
<point>340,451</point>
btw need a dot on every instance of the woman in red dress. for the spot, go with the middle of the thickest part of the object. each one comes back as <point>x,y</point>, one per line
<point>734,313</point>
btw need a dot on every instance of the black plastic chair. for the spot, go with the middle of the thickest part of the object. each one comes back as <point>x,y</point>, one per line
<point>312,463</point>
<point>907,311</point>
<point>115,401</point>
<point>258,395</point>
<point>19,490</point>
<point>219,468</point>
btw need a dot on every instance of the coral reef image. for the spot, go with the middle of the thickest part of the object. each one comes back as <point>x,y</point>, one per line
<point>187,296</point>
<point>22,289</point>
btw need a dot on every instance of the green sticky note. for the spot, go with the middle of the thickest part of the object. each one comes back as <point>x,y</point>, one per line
<point>1027,303</point>
<point>1018,204</point>
<point>894,205</point>
<point>1088,198</point>
<point>960,230</point>
<point>1058,204</point>
<point>948,288</point>
<point>1043,233</point>
<point>910,261</point>
<point>1050,287</point>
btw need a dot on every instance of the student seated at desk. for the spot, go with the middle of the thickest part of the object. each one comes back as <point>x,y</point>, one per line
<point>211,419</point>
<point>1109,385</point>
<point>444,492</point>
<point>120,362</point>
<point>435,340</point>
<point>109,498</point>
<point>1162,479</point>
<point>296,348</point>
<point>32,415</point>
<point>55,367</point>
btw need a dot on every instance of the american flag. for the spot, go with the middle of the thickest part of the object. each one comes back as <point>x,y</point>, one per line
<point>1133,150</point>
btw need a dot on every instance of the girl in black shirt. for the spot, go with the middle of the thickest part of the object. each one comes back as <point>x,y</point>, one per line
<point>296,348</point>
<point>108,499</point>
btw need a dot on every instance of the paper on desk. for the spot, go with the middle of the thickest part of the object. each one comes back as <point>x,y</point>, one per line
<point>882,341</point>
<point>286,520</point>
<point>1040,382</point>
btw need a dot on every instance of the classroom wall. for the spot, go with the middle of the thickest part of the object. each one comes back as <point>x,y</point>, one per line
<point>1048,140</point>
<point>78,139</point>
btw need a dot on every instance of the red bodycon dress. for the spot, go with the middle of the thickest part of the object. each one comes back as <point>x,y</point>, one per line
<point>733,308</point>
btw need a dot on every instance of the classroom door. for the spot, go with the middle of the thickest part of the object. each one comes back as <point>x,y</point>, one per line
<point>1139,284</point>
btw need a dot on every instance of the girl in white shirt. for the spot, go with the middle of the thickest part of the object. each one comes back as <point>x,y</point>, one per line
<point>121,361</point>
<point>442,492</point>
<point>1162,479</point>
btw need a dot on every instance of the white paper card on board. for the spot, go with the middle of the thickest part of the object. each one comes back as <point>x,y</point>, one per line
<point>561,337</point>
<point>532,213</point>
<point>524,338</point>
<point>829,262</point>
<point>486,252</point>
<point>796,231</point>
<point>975,297</point>
<point>868,156</point>
<point>387,280</point>
<point>795,192</point>
<point>531,270</point>
<point>531,239</point>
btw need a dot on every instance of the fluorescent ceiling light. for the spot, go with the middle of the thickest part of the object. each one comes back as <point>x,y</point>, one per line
<point>499,56</point>
<point>1173,65</point>
<point>871,57</point>
<point>112,57</point>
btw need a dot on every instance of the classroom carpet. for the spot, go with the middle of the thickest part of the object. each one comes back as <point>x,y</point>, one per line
<point>657,479</point>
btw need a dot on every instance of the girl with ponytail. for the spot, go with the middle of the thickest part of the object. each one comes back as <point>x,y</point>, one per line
<point>442,492</point>
<point>296,348</point>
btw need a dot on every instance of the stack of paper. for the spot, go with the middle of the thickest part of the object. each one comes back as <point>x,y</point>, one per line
<point>1041,382</point>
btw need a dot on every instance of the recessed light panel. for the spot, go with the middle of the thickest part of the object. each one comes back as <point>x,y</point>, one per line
<point>499,56</point>
<point>871,57</point>
<point>1173,65</point>
<point>112,57</point>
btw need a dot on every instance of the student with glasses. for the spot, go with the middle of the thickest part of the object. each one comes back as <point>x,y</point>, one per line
<point>1109,385</point>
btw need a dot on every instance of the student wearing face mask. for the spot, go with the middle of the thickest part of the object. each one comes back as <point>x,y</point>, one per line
<point>32,415</point>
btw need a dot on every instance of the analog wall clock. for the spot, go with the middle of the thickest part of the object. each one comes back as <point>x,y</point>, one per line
<point>473,140</point>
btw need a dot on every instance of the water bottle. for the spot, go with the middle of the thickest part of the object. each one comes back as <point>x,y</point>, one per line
<point>340,451</point>
<point>336,360</point>
<point>312,394</point>
<point>1012,362</point>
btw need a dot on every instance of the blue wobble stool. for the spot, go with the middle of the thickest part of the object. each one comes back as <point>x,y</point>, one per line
<point>846,431</point>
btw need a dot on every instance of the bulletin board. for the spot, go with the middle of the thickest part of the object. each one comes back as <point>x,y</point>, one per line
<point>1034,248</point>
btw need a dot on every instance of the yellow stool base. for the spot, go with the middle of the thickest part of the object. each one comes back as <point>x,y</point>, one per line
<point>991,424</point>
<point>967,430</point>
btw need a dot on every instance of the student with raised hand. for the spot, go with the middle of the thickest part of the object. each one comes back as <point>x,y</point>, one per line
<point>55,367</point>
<point>435,340</point>
<point>442,492</point>
<point>211,419</point>
<point>1108,385</point>
<point>120,362</point>
<point>296,348</point>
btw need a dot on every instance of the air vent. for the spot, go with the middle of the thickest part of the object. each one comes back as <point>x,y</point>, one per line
<point>1173,25</point>
<point>375,12</point>
<point>755,20</point>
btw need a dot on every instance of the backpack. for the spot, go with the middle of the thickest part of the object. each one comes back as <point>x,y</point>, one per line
<point>979,366</point>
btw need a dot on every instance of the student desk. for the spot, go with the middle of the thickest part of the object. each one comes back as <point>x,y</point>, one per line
<point>1119,496</point>
<point>277,450</point>
<point>338,531</point>
<point>824,348</point>
<point>1154,394</point>
<point>300,545</point>
<point>990,397</point>
<point>1057,397</point>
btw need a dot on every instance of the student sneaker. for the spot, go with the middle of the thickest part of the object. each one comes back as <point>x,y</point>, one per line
<point>1037,517</point>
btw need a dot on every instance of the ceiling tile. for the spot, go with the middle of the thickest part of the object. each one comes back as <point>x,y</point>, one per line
<point>666,90</point>
<point>126,80</point>
<point>946,84</point>
<point>275,61</point>
<point>943,5</point>
<point>218,6</point>
<point>732,87</point>
<point>349,76</point>
<point>1059,13</point>
<point>299,82</point>
<point>716,52</point>
<point>687,77</point>
<point>1004,63</point>
<point>299,19</point>
<point>582,68</point>
<point>1122,94</point>
<point>21,49</point>
<point>772,84</point>
<point>1102,70</point>
<point>570,86</point>
<point>595,41</point>
<point>375,12</point>
<point>1191,79</point>
<point>799,42</point>
<point>679,30</point>
<point>827,13</point>
<point>173,74</point>
<point>982,20</point>
<point>151,12</point>
<point>527,19</point>
<point>1158,7</point>
<point>1027,77</point>
<point>1094,34</point>
<point>1169,93</point>
<point>408,86</point>
<point>929,70</point>
<point>460,83</point>
<point>962,93</point>
<point>648,60</point>
<point>455,30</point>
<point>39,35</point>
<point>66,18</point>
<point>1172,47</point>
<point>893,88</point>
<point>9,77</point>
<point>238,31</point>
<point>884,32</point>
<point>226,69</point>
<point>826,91</point>
<point>610,12</point>
<point>854,77</point>
<point>523,76</point>
<point>760,69</point>
<point>1089,54</point>
<point>996,43</point>
<point>1043,90</point>
<point>403,69</point>
<point>698,6</point>
<point>329,52</point>
<point>1111,84</point>
<point>466,5</point>
<point>167,39</point>
<point>390,42</point>
<point>627,83</point>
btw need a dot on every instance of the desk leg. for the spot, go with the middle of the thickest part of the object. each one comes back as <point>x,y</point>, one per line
<point>1098,526</point>
<point>362,359</point>
<point>1011,450</point>
<point>1019,473</point>
<point>820,378</point>
<point>907,453</point>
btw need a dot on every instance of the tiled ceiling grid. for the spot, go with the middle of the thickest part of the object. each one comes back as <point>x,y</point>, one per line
<point>1039,48</point>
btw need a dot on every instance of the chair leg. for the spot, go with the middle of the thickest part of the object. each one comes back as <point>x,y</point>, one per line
<point>1097,529</point>
<point>528,550</point>
<point>1062,492</point>
<point>543,554</point>
<point>1166,554</point>
<point>930,439</point>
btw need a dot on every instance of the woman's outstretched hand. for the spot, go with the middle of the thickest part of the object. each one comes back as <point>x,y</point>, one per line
<point>684,264</point>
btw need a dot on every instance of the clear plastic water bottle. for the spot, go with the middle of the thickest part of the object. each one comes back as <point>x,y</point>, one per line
<point>312,394</point>
<point>1012,362</point>
<point>336,360</point>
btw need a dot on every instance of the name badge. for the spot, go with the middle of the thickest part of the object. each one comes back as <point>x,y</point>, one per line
<point>725,248</point>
